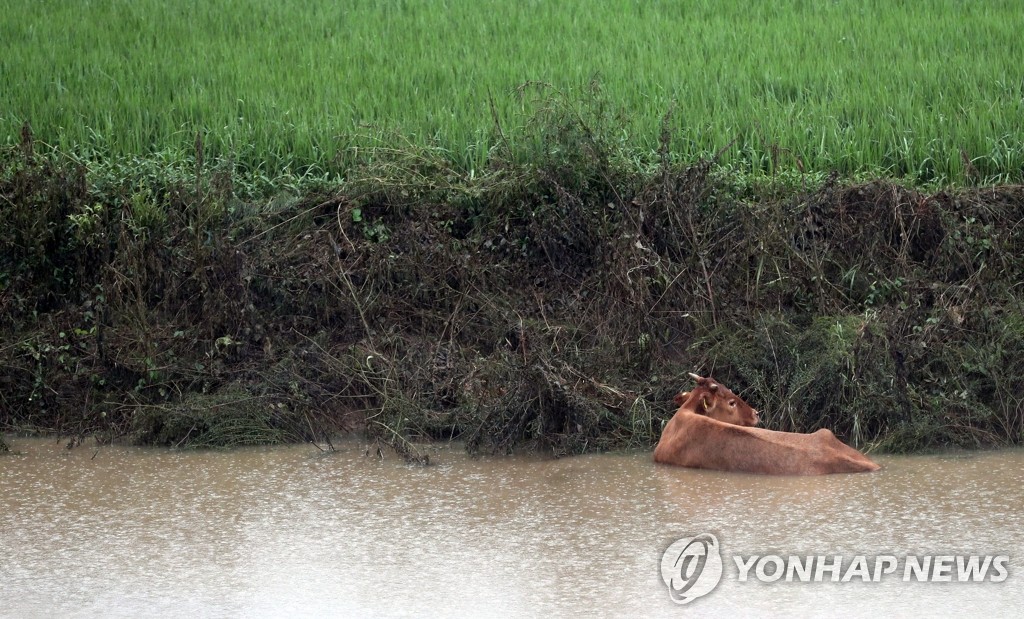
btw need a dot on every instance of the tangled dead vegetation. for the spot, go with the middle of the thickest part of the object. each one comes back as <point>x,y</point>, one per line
<point>557,304</point>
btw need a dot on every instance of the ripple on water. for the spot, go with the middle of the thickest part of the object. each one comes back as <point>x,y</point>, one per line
<point>265,531</point>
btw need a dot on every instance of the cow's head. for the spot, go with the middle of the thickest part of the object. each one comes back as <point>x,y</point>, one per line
<point>717,402</point>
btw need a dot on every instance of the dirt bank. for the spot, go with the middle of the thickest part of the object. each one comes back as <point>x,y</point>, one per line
<point>559,303</point>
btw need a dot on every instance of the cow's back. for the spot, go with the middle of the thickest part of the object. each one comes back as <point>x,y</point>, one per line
<point>695,441</point>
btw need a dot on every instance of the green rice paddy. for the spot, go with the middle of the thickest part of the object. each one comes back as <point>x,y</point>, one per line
<point>931,90</point>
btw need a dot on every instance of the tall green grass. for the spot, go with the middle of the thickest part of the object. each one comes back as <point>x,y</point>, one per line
<point>930,89</point>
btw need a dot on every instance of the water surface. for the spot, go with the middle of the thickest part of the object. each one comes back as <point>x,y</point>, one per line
<point>291,531</point>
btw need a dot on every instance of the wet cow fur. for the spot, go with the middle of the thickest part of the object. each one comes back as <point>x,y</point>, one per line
<point>714,429</point>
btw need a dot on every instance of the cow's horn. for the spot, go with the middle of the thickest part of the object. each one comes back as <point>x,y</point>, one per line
<point>713,386</point>
<point>693,376</point>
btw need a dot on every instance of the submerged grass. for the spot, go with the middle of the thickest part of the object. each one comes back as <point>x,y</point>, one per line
<point>555,298</point>
<point>928,90</point>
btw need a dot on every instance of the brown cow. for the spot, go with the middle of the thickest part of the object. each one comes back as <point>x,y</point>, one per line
<point>713,429</point>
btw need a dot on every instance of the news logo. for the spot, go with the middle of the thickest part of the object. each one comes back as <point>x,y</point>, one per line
<point>691,567</point>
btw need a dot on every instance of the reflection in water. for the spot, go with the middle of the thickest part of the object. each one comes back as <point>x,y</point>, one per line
<point>292,531</point>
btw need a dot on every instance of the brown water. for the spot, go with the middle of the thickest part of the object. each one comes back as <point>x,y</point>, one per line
<point>293,532</point>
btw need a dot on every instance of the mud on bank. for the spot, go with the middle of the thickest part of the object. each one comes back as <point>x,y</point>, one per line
<point>557,304</point>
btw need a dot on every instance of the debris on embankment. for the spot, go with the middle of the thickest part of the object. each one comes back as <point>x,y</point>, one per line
<point>558,303</point>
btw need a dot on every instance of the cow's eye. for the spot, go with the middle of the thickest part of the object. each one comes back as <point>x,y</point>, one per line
<point>732,403</point>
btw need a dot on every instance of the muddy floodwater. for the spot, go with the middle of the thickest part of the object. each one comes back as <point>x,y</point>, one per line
<point>291,531</point>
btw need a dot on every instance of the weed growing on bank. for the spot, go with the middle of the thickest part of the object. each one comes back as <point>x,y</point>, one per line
<point>555,298</point>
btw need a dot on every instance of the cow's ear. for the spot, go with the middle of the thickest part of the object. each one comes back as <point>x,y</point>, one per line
<point>707,405</point>
<point>680,398</point>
